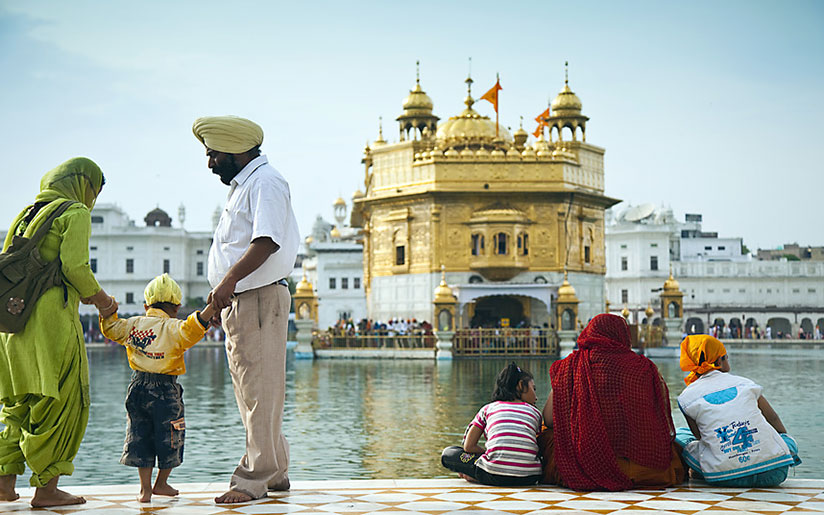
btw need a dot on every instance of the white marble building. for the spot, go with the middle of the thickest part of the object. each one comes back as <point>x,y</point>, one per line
<point>721,284</point>
<point>335,268</point>
<point>125,255</point>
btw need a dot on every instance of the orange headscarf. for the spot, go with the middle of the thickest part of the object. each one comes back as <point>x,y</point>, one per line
<point>698,355</point>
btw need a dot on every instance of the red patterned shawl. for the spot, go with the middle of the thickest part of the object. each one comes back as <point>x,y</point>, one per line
<point>608,402</point>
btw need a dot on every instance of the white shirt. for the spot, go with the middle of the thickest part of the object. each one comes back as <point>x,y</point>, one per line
<point>736,439</point>
<point>259,205</point>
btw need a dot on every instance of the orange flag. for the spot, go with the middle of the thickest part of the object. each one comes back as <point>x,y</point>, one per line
<point>541,123</point>
<point>492,95</point>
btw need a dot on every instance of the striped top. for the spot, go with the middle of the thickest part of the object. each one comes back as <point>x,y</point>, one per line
<point>511,429</point>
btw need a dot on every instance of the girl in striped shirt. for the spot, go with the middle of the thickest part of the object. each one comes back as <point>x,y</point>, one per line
<point>510,423</point>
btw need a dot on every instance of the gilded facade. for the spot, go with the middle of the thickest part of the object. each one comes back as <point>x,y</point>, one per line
<point>505,216</point>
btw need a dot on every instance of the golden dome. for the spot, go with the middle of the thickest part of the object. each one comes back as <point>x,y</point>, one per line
<point>566,103</point>
<point>309,239</point>
<point>304,288</point>
<point>443,293</point>
<point>671,284</point>
<point>417,100</point>
<point>334,233</point>
<point>470,128</point>
<point>566,293</point>
<point>358,194</point>
<point>339,202</point>
<point>649,311</point>
<point>625,312</point>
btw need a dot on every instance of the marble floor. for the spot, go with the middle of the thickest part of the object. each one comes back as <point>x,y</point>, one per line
<point>444,496</point>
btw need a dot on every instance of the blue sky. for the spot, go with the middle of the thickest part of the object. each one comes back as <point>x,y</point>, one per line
<point>709,107</point>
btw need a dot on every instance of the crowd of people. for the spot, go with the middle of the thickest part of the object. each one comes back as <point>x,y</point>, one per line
<point>758,333</point>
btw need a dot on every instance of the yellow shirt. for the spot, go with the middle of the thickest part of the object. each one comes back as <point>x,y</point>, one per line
<point>155,342</point>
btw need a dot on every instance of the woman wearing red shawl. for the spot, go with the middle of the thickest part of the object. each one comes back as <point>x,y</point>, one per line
<point>609,425</point>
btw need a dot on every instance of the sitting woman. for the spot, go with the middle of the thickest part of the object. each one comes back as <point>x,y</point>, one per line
<point>608,419</point>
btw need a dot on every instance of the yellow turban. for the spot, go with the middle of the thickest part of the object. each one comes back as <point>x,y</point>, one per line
<point>698,355</point>
<point>228,134</point>
<point>162,289</point>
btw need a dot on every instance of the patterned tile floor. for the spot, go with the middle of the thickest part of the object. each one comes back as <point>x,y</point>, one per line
<point>442,496</point>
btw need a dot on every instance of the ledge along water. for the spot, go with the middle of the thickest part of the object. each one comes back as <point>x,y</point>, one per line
<point>384,419</point>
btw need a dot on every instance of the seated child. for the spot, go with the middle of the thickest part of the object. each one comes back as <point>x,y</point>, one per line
<point>155,344</point>
<point>735,438</point>
<point>511,423</point>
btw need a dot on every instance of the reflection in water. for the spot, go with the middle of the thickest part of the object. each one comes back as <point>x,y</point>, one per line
<point>383,419</point>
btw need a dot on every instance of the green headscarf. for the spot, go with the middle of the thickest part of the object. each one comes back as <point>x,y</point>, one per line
<point>78,179</point>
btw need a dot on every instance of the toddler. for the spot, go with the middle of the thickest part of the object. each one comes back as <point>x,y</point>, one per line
<point>155,344</point>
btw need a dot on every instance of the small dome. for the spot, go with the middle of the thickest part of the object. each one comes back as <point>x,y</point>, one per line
<point>304,288</point>
<point>649,311</point>
<point>418,100</point>
<point>334,233</point>
<point>309,240</point>
<point>566,103</point>
<point>443,293</point>
<point>158,218</point>
<point>358,194</point>
<point>339,202</point>
<point>566,293</point>
<point>671,284</point>
<point>625,312</point>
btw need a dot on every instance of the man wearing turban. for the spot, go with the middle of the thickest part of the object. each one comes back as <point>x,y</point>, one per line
<point>252,253</point>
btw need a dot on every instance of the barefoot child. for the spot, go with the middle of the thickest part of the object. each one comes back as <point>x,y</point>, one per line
<point>155,344</point>
<point>735,438</point>
<point>511,423</point>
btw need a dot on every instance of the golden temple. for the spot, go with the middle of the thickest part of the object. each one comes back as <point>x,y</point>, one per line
<point>506,217</point>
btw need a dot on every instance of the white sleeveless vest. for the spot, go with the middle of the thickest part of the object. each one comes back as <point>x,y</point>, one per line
<point>736,439</point>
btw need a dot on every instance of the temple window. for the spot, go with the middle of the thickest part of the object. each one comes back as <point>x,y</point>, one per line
<point>477,244</point>
<point>500,243</point>
<point>523,244</point>
<point>587,258</point>
<point>400,255</point>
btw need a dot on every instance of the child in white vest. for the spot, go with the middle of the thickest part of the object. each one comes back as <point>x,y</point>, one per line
<point>735,438</point>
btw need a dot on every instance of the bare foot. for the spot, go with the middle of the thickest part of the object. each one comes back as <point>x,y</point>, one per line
<point>145,496</point>
<point>44,497</point>
<point>7,492</point>
<point>165,489</point>
<point>468,478</point>
<point>232,497</point>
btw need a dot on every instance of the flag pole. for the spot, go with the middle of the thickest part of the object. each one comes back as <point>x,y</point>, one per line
<point>497,104</point>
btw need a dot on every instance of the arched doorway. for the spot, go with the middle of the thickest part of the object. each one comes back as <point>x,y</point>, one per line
<point>779,327</point>
<point>489,311</point>
<point>807,326</point>
<point>694,325</point>
<point>736,331</point>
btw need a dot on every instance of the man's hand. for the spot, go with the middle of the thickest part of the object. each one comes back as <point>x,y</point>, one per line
<point>86,300</point>
<point>221,296</point>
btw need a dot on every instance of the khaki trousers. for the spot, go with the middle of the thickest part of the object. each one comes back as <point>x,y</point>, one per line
<point>256,325</point>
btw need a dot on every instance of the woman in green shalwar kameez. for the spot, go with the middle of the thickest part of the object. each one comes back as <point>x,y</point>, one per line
<point>44,371</point>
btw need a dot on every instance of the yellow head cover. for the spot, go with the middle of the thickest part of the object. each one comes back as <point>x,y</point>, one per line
<point>162,289</point>
<point>228,134</point>
<point>698,355</point>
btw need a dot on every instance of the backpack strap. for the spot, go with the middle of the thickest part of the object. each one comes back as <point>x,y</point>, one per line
<point>46,225</point>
